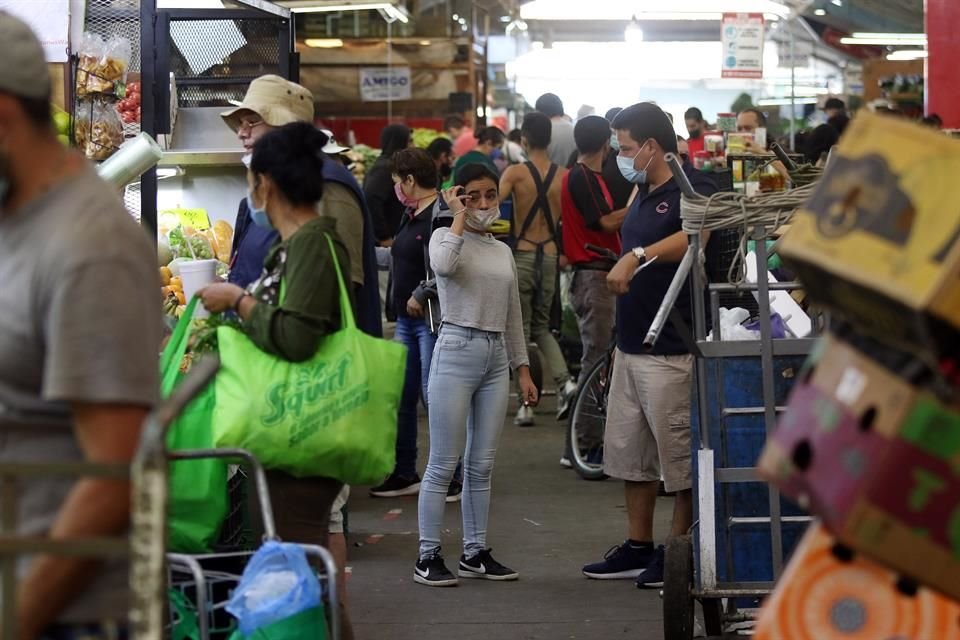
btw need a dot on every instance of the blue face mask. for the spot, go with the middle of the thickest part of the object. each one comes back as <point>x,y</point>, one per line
<point>259,216</point>
<point>631,173</point>
<point>614,143</point>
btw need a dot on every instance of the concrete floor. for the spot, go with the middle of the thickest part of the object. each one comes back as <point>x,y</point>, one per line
<point>545,522</point>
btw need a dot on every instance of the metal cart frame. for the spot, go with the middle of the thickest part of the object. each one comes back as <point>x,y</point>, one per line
<point>692,573</point>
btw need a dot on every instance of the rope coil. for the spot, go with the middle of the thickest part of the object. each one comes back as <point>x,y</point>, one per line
<point>727,210</point>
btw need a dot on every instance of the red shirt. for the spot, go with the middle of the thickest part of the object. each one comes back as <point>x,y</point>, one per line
<point>585,199</point>
<point>694,145</point>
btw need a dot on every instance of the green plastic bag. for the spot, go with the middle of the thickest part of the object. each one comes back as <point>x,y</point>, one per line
<point>185,624</point>
<point>334,415</point>
<point>198,488</point>
<point>310,624</point>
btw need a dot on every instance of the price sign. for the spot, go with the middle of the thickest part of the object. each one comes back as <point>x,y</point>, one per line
<point>196,218</point>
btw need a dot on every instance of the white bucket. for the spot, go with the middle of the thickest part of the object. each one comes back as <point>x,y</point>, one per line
<point>195,275</point>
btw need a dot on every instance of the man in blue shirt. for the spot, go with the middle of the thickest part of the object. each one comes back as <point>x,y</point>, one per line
<point>647,432</point>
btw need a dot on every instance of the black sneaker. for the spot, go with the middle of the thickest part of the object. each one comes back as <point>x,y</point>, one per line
<point>396,486</point>
<point>652,576</point>
<point>455,491</point>
<point>433,572</point>
<point>484,567</point>
<point>620,563</point>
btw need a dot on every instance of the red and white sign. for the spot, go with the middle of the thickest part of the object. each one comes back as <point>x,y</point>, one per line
<point>742,37</point>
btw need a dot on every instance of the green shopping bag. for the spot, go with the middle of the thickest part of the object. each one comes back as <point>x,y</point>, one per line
<point>310,624</point>
<point>198,488</point>
<point>334,415</point>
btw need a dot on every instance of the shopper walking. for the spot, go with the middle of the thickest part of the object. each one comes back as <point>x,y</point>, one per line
<point>78,353</point>
<point>480,341</point>
<point>441,150</point>
<point>270,103</point>
<point>386,210</point>
<point>536,188</point>
<point>489,139</point>
<point>414,299</point>
<point>648,413</point>
<point>295,302</point>
<point>562,144</point>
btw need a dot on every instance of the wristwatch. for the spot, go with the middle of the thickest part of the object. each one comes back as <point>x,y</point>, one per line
<point>640,254</point>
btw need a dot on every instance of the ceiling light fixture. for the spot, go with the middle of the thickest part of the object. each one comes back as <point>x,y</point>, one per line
<point>391,10</point>
<point>838,3</point>
<point>633,34</point>
<point>908,54</point>
<point>889,36</point>
<point>704,10</point>
<point>324,43</point>
<point>779,102</point>
<point>893,42</point>
<point>819,12</point>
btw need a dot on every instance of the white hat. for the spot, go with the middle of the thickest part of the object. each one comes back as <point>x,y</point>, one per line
<point>332,148</point>
<point>276,100</point>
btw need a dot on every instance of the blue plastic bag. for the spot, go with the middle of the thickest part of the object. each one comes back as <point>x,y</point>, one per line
<point>278,583</point>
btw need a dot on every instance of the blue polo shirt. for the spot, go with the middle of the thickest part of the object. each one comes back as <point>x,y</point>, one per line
<point>653,217</point>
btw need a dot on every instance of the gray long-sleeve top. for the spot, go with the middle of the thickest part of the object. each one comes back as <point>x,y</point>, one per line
<point>477,281</point>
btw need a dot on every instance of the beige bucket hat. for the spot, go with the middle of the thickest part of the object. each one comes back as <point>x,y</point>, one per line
<point>276,100</point>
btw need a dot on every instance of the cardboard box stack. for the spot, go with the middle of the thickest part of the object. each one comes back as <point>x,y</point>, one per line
<point>870,441</point>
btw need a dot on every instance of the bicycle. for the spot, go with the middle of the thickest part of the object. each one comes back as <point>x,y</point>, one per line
<point>588,414</point>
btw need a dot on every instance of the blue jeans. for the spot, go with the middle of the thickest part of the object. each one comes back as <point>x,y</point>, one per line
<point>415,335</point>
<point>469,389</point>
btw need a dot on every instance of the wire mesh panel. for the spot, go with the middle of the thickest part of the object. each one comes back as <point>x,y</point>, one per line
<point>214,60</point>
<point>111,18</point>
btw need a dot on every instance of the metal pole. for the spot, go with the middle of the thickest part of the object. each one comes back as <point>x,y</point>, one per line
<point>389,68</point>
<point>793,89</point>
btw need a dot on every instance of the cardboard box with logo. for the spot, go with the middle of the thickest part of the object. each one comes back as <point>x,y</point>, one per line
<point>879,241</point>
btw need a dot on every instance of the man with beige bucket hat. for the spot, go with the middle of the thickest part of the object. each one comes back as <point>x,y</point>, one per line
<point>271,102</point>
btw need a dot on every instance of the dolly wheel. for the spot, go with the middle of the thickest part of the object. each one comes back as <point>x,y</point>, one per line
<point>677,583</point>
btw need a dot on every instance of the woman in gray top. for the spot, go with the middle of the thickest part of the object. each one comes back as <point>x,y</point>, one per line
<point>480,341</point>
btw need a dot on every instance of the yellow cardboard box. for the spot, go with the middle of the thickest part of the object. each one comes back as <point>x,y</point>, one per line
<point>879,241</point>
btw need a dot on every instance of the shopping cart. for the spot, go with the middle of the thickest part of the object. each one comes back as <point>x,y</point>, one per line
<point>743,529</point>
<point>207,581</point>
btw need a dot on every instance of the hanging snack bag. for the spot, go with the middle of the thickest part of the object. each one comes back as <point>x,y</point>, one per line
<point>102,64</point>
<point>106,132</point>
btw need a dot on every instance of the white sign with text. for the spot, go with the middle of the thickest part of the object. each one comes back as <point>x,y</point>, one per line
<point>382,84</point>
<point>742,37</point>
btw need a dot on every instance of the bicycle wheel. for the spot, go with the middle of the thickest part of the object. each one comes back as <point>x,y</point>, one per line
<point>587,420</point>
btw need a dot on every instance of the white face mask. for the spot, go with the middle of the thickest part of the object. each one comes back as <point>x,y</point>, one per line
<point>483,218</point>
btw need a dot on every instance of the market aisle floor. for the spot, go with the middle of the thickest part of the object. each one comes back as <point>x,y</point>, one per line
<point>545,523</point>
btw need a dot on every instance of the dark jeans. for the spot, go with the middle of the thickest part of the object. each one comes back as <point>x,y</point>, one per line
<point>415,335</point>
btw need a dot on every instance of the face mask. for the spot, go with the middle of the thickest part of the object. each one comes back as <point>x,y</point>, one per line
<point>483,218</point>
<point>614,143</point>
<point>404,199</point>
<point>631,173</point>
<point>259,216</point>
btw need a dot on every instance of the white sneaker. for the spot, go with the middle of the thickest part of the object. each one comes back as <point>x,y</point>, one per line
<point>525,417</point>
<point>565,398</point>
<point>566,463</point>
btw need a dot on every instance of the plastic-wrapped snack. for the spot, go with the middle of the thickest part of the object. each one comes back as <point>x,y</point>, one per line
<point>102,64</point>
<point>81,125</point>
<point>106,132</point>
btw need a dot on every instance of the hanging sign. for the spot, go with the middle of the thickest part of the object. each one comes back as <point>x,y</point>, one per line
<point>742,38</point>
<point>49,19</point>
<point>382,84</point>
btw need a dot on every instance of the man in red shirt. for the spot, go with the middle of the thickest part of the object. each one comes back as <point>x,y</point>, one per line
<point>696,127</point>
<point>589,218</point>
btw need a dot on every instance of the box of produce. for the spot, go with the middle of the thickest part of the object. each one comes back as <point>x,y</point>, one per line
<point>828,592</point>
<point>879,240</point>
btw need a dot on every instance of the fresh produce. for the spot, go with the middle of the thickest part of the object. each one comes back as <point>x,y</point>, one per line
<point>129,107</point>
<point>186,243</point>
<point>61,121</point>
<point>164,252</point>
<point>423,137</point>
<point>223,233</point>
